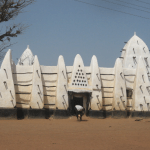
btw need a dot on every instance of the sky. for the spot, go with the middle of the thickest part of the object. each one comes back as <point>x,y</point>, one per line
<point>69,27</point>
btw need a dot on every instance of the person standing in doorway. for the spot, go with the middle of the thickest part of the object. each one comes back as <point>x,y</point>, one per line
<point>79,111</point>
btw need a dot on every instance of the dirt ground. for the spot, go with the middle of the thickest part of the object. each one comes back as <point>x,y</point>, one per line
<point>70,134</point>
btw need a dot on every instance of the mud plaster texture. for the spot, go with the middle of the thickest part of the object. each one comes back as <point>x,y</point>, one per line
<point>70,134</point>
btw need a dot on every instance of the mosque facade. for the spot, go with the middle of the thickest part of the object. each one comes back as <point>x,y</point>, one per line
<point>31,90</point>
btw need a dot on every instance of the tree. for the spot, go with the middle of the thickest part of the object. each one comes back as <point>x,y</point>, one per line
<point>9,9</point>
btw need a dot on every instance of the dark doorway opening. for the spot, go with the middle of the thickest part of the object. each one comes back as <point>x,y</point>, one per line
<point>76,101</point>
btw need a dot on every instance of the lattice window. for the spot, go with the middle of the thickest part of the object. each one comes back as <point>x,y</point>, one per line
<point>79,79</point>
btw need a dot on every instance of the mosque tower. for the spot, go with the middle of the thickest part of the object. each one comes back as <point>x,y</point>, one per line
<point>133,50</point>
<point>31,90</point>
<point>27,58</point>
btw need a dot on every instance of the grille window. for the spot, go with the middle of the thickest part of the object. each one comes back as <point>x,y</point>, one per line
<point>80,78</point>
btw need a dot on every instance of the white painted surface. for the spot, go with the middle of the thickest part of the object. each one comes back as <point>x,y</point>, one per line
<point>62,86</point>
<point>49,81</point>
<point>134,48</point>
<point>49,69</point>
<point>79,82</point>
<point>141,90</point>
<point>27,58</point>
<point>96,99</point>
<point>22,76</point>
<point>37,100</point>
<point>120,99</point>
<point>7,90</point>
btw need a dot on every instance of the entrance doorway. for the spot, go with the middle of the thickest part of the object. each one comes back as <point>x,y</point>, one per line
<point>82,99</point>
<point>76,101</point>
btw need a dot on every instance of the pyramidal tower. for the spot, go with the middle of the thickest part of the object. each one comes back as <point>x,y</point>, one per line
<point>27,58</point>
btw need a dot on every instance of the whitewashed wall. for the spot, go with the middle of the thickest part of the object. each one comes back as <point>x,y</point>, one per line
<point>22,77</point>
<point>107,82</point>
<point>134,49</point>
<point>7,91</point>
<point>141,88</point>
<point>37,100</point>
<point>62,86</point>
<point>120,98</point>
<point>96,99</point>
<point>79,82</point>
<point>49,76</point>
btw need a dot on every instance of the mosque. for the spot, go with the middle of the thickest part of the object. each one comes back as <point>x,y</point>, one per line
<point>30,90</point>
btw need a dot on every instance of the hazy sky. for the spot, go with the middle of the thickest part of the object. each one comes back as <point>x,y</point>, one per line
<point>68,27</point>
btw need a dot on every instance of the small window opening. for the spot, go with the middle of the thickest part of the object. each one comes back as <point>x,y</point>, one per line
<point>133,50</point>
<point>149,78</point>
<point>134,60</point>
<point>146,61</point>
<point>129,93</point>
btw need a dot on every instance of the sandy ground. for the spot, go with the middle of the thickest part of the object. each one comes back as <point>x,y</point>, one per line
<point>70,134</point>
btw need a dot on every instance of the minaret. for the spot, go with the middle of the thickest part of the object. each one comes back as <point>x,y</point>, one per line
<point>132,50</point>
<point>27,58</point>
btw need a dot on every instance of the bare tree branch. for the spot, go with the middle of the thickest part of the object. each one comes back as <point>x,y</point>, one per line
<point>12,31</point>
<point>9,9</point>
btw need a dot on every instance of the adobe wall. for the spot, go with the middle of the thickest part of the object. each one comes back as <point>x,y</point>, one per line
<point>29,90</point>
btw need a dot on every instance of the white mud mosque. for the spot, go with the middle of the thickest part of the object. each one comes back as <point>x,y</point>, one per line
<point>30,90</point>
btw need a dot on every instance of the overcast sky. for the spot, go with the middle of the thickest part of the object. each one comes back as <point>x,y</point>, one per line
<point>68,27</point>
